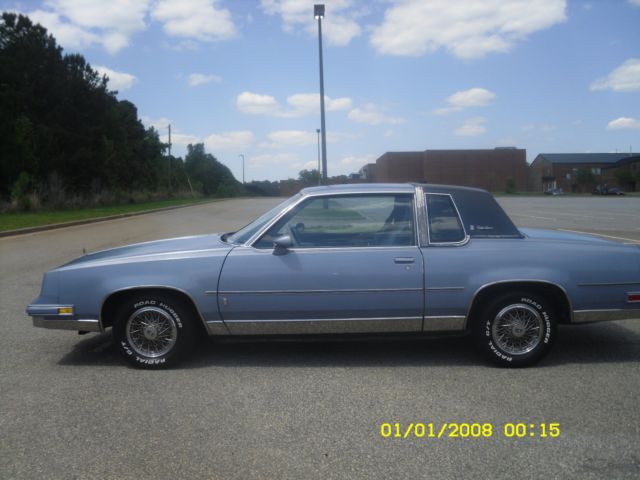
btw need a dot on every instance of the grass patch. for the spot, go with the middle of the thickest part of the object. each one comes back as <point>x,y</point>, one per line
<point>13,221</point>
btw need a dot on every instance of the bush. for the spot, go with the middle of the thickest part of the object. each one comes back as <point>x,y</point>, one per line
<point>510,186</point>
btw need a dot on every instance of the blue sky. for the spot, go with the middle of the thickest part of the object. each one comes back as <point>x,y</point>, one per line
<point>242,76</point>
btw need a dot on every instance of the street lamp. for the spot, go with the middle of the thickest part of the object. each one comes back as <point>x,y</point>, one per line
<point>318,13</point>
<point>241,155</point>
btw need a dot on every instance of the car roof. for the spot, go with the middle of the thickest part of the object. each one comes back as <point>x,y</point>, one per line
<point>386,187</point>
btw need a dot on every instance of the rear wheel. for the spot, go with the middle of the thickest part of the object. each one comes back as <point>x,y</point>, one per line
<point>153,330</point>
<point>516,329</point>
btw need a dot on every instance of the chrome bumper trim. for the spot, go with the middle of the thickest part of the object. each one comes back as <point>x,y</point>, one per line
<point>324,325</point>
<point>217,327</point>
<point>444,324</point>
<point>589,316</point>
<point>80,325</point>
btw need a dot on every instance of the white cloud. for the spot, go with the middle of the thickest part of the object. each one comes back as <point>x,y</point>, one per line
<point>229,141</point>
<point>635,2</point>
<point>199,19</point>
<point>82,23</point>
<point>178,138</point>
<point>338,26</point>
<point>309,103</point>
<point>299,138</point>
<point>474,97</point>
<point>196,79</point>
<point>300,104</point>
<point>472,127</point>
<point>469,30</point>
<point>624,123</point>
<point>274,159</point>
<point>291,137</point>
<point>67,35</point>
<point>372,114</point>
<point>117,80</point>
<point>257,104</point>
<point>118,15</point>
<point>625,78</point>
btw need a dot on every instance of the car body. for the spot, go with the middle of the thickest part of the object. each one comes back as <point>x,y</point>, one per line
<point>606,190</point>
<point>554,191</point>
<point>350,259</point>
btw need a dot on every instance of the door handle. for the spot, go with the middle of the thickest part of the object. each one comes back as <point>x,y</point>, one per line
<point>404,260</point>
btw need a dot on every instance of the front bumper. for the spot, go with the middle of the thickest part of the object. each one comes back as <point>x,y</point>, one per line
<point>48,316</point>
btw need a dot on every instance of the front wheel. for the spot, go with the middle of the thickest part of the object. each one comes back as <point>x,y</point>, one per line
<point>516,330</point>
<point>153,331</point>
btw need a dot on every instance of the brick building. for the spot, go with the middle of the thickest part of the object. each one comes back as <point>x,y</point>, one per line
<point>491,169</point>
<point>561,170</point>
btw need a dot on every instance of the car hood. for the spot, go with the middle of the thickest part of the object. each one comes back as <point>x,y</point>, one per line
<point>557,235</point>
<point>169,246</point>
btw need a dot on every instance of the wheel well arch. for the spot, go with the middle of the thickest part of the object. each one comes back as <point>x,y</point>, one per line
<point>111,302</point>
<point>552,291</point>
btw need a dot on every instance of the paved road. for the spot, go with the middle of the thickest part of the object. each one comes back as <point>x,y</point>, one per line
<point>69,408</point>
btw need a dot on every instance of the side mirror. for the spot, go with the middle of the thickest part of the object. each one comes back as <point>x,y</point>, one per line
<point>282,244</point>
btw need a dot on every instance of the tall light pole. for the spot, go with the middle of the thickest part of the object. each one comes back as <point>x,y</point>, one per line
<point>170,162</point>
<point>318,12</point>
<point>319,166</point>
<point>241,155</point>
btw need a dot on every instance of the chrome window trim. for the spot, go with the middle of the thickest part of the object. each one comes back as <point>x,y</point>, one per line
<point>460,243</point>
<point>253,240</point>
<point>421,217</point>
<point>520,280</point>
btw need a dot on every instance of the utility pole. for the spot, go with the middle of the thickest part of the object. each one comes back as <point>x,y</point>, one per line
<point>318,11</point>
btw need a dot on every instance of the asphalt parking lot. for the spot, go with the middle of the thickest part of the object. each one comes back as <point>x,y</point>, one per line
<point>69,408</point>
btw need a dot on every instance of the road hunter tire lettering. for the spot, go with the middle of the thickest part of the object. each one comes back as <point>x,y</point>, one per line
<point>154,330</point>
<point>517,329</point>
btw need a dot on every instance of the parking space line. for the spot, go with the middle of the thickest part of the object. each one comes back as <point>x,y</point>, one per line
<point>533,216</point>
<point>631,240</point>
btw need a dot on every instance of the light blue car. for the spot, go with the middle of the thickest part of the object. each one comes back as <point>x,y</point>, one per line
<point>350,259</point>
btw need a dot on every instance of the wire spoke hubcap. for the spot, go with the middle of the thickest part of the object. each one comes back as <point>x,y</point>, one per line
<point>517,329</point>
<point>151,331</point>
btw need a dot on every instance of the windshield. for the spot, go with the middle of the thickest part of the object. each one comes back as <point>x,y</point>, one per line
<point>244,234</point>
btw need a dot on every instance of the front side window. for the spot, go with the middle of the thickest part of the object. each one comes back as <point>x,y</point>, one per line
<point>444,223</point>
<point>347,221</point>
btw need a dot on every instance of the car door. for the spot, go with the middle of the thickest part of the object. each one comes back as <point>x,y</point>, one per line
<point>353,266</point>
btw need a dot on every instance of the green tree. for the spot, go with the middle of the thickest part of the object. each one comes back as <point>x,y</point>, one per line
<point>207,174</point>
<point>309,177</point>
<point>59,120</point>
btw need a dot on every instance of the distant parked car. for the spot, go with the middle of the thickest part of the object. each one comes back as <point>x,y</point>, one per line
<point>606,190</point>
<point>350,259</point>
<point>554,191</point>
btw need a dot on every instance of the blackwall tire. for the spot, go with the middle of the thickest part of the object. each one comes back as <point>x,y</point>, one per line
<point>516,329</point>
<point>154,330</point>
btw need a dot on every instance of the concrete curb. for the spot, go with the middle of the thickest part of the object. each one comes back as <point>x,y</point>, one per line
<point>73,223</point>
